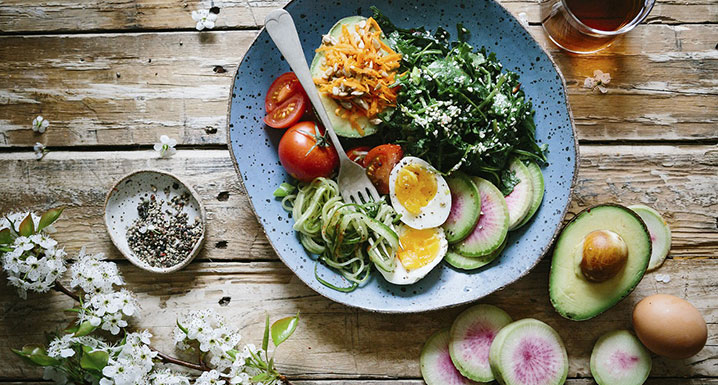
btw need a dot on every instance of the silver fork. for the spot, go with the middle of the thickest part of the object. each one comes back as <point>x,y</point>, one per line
<point>354,185</point>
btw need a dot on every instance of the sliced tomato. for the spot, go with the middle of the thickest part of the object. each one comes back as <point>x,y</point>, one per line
<point>379,162</point>
<point>281,89</point>
<point>358,154</point>
<point>289,112</point>
<point>306,153</point>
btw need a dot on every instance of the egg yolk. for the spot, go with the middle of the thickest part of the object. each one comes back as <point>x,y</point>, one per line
<point>415,187</point>
<point>418,247</point>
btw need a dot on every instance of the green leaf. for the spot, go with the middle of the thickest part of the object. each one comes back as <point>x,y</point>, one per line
<point>72,329</point>
<point>184,329</point>
<point>284,328</point>
<point>261,377</point>
<point>265,339</point>
<point>84,329</point>
<point>5,236</point>
<point>49,217</point>
<point>96,360</point>
<point>36,355</point>
<point>27,226</point>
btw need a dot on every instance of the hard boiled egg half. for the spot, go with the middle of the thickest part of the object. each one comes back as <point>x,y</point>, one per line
<point>419,252</point>
<point>419,193</point>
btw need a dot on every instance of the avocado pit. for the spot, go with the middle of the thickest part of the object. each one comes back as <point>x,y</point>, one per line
<point>604,254</point>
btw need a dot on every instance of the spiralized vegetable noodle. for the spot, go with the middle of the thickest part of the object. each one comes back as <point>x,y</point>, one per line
<point>345,236</point>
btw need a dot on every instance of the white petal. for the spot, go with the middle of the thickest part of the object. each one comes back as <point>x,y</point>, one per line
<point>199,26</point>
<point>41,129</point>
<point>589,83</point>
<point>602,89</point>
<point>164,139</point>
<point>39,118</point>
<point>597,73</point>
<point>195,16</point>
<point>46,123</point>
<point>209,24</point>
<point>211,16</point>
<point>172,142</point>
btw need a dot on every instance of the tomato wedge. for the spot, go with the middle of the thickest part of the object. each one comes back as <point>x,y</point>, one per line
<point>289,112</point>
<point>358,154</point>
<point>379,162</point>
<point>281,89</point>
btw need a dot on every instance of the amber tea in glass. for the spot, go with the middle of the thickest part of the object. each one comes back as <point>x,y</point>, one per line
<point>585,26</point>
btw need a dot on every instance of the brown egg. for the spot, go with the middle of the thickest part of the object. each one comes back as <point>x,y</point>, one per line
<point>669,326</point>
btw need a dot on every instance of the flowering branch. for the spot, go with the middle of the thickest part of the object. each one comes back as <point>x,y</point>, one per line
<point>33,262</point>
<point>62,289</point>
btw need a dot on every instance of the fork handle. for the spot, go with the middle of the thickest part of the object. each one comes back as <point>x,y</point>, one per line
<point>280,26</point>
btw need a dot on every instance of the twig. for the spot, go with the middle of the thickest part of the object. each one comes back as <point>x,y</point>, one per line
<point>173,360</point>
<point>284,379</point>
<point>62,289</point>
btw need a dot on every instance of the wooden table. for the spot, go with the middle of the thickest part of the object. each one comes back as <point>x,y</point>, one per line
<point>114,75</point>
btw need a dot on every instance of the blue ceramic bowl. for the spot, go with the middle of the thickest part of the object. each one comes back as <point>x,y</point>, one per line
<point>254,148</point>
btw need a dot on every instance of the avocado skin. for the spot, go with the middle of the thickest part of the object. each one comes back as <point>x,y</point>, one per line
<point>620,292</point>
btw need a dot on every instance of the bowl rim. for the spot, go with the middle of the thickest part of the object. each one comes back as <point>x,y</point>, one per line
<point>543,252</point>
<point>131,257</point>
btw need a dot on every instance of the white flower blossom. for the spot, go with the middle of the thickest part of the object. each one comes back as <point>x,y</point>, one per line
<point>131,362</point>
<point>598,81</point>
<point>210,332</point>
<point>33,263</point>
<point>167,377</point>
<point>204,19</point>
<point>166,147</point>
<point>665,278</point>
<point>108,310</point>
<point>40,124</point>
<point>62,347</point>
<point>40,150</point>
<point>209,378</point>
<point>93,275</point>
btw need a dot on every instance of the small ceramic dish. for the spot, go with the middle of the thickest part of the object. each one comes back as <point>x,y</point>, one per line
<point>121,211</point>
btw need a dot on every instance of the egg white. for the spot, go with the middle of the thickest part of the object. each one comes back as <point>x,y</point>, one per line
<point>401,276</point>
<point>435,213</point>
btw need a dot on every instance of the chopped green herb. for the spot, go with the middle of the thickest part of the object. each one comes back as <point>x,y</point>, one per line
<point>458,108</point>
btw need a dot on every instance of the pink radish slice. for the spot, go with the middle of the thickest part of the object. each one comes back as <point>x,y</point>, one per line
<point>619,358</point>
<point>519,200</point>
<point>470,339</point>
<point>465,207</point>
<point>493,225</point>
<point>528,352</point>
<point>436,365</point>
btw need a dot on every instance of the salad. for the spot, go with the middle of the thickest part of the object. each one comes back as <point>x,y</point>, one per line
<point>444,132</point>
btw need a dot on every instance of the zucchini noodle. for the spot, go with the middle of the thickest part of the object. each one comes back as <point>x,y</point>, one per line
<point>345,236</point>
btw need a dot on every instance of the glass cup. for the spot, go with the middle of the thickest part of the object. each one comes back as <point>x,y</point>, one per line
<point>568,31</point>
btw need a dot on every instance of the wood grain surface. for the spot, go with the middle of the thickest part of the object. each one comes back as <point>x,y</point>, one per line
<point>130,88</point>
<point>114,75</point>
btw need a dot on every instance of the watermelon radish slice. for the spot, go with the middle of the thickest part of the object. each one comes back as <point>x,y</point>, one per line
<point>470,339</point>
<point>519,200</point>
<point>528,352</point>
<point>660,234</point>
<point>436,365</point>
<point>470,263</point>
<point>465,207</point>
<point>537,197</point>
<point>619,358</point>
<point>493,225</point>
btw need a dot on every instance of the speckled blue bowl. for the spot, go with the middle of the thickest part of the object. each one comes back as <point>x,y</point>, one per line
<point>254,148</point>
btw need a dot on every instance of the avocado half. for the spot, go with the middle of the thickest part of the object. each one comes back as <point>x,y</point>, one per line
<point>573,295</point>
<point>341,126</point>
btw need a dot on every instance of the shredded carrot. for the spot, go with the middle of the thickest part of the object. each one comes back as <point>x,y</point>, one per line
<point>357,70</point>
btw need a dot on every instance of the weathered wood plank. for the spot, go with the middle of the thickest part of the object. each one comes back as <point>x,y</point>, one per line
<point>678,181</point>
<point>108,89</point>
<point>98,15</point>
<point>570,381</point>
<point>334,341</point>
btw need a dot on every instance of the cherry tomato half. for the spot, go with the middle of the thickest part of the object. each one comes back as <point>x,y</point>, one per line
<point>281,89</point>
<point>379,162</point>
<point>358,154</point>
<point>287,113</point>
<point>306,153</point>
